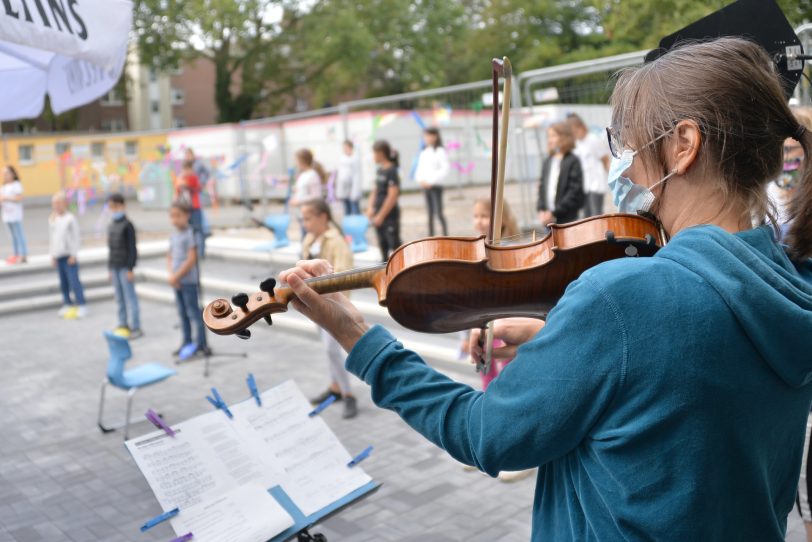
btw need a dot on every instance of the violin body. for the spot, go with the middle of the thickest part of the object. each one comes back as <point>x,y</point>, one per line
<point>446,284</point>
<point>441,284</point>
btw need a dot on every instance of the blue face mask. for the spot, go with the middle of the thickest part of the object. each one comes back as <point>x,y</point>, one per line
<point>118,215</point>
<point>628,196</point>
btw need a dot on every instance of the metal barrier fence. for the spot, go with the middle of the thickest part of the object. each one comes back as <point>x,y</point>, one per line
<point>462,112</point>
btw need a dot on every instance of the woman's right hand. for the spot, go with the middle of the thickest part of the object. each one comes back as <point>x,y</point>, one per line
<point>514,332</point>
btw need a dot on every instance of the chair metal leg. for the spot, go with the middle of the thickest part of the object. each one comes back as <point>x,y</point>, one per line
<point>101,409</point>
<point>130,395</point>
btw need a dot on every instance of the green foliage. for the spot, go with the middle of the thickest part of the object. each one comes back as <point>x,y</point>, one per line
<point>271,55</point>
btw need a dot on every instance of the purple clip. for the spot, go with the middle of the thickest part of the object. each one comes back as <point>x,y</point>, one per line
<point>159,423</point>
<point>183,538</point>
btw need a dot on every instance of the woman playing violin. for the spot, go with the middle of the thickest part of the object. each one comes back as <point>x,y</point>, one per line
<point>666,397</point>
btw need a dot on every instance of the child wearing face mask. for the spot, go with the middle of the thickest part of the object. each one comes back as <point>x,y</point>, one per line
<point>121,262</point>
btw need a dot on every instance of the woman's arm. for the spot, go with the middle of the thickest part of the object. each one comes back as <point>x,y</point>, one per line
<point>542,406</point>
<point>370,212</point>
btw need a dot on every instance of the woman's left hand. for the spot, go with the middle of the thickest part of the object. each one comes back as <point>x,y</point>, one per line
<point>333,312</point>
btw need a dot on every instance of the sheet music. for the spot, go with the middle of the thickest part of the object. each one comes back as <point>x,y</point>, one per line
<point>313,460</point>
<point>204,460</point>
<point>245,514</point>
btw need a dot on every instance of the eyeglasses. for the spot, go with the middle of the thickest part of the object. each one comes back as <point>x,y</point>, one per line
<point>616,146</point>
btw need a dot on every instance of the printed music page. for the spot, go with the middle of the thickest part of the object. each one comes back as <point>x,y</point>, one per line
<point>246,514</point>
<point>313,460</point>
<point>203,461</point>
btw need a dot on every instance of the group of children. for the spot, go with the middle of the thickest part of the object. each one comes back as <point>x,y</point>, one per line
<point>182,263</point>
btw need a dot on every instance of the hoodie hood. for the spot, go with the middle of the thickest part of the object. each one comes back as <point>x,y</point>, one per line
<point>770,296</point>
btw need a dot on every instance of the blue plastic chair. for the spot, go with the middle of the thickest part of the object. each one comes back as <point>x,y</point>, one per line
<point>356,227</point>
<point>279,224</point>
<point>130,380</point>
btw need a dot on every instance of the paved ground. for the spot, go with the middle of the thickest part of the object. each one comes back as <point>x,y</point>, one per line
<point>61,479</point>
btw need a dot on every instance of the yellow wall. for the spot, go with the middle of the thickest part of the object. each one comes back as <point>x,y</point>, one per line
<point>113,169</point>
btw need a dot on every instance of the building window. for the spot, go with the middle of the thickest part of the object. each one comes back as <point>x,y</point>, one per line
<point>112,98</point>
<point>153,74</point>
<point>62,148</point>
<point>97,150</point>
<point>155,106</point>
<point>177,71</point>
<point>177,96</point>
<point>113,125</point>
<point>26,153</point>
<point>131,148</point>
<point>178,123</point>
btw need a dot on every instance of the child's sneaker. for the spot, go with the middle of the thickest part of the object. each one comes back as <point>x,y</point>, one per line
<point>122,331</point>
<point>71,314</point>
<point>62,311</point>
<point>81,311</point>
<point>136,334</point>
<point>11,260</point>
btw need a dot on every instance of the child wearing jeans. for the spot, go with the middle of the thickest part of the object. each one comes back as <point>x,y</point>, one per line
<point>183,277</point>
<point>64,237</point>
<point>121,262</point>
<point>11,199</point>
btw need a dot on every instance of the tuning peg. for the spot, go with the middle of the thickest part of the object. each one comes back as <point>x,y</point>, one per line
<point>241,300</point>
<point>267,286</point>
<point>268,320</point>
<point>244,334</point>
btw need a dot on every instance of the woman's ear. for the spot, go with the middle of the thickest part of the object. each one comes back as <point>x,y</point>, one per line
<point>685,146</point>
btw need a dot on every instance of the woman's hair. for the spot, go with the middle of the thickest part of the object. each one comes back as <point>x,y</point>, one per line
<point>306,157</point>
<point>436,133</point>
<point>730,88</point>
<point>320,207</point>
<point>576,121</point>
<point>565,135</point>
<point>349,143</point>
<point>189,164</point>
<point>510,227</point>
<point>382,146</point>
<point>13,172</point>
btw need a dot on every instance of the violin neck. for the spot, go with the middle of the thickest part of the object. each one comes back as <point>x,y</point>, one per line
<point>354,279</point>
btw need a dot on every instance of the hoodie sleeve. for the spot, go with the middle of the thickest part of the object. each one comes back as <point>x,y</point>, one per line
<point>541,406</point>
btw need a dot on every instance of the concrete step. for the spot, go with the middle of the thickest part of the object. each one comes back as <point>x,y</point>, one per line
<point>87,257</point>
<point>35,286</point>
<point>50,301</point>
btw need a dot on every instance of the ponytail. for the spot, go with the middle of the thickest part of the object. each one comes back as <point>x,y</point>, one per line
<point>799,236</point>
<point>321,172</point>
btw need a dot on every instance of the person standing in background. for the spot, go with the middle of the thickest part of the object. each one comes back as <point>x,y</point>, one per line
<point>432,170</point>
<point>348,179</point>
<point>382,209</point>
<point>594,155</point>
<point>121,242</point>
<point>325,240</point>
<point>64,240</point>
<point>11,198</point>
<point>188,191</point>
<point>203,176</point>
<point>309,180</point>
<point>561,190</point>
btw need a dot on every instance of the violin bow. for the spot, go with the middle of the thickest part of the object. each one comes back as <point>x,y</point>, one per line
<point>498,160</point>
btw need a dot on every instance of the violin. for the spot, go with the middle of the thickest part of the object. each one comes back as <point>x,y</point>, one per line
<point>447,284</point>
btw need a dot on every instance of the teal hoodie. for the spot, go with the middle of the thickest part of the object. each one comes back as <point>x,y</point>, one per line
<point>665,399</point>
